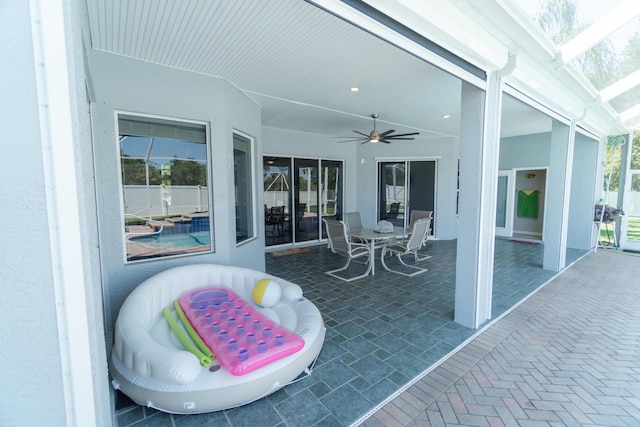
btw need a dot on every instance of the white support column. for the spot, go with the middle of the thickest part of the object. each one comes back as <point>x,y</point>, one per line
<point>558,194</point>
<point>597,191</point>
<point>623,188</point>
<point>56,110</point>
<point>479,149</point>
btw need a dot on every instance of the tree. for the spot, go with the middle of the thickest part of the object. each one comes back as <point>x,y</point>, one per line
<point>614,155</point>
<point>134,171</point>
<point>559,20</point>
<point>188,172</point>
<point>630,62</point>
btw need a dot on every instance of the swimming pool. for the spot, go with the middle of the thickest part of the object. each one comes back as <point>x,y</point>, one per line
<point>176,241</point>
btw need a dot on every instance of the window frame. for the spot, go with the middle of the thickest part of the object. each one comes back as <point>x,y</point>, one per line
<point>250,190</point>
<point>177,121</point>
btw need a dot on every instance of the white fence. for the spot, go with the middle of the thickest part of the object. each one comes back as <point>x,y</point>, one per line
<point>156,200</point>
<point>281,198</point>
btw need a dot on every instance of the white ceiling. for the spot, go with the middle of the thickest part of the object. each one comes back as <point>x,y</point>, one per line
<point>296,61</point>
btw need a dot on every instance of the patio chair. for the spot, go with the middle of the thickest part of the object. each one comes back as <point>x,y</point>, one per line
<point>353,221</point>
<point>409,246</point>
<point>341,245</point>
<point>394,209</point>
<point>275,218</point>
<point>416,215</point>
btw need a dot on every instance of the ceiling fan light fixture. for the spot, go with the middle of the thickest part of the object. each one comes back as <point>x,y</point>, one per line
<point>354,89</point>
<point>374,136</point>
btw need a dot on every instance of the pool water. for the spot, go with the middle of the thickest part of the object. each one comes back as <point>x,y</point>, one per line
<point>176,241</point>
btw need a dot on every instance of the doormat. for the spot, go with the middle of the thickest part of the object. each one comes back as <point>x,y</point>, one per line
<point>523,242</point>
<point>290,252</point>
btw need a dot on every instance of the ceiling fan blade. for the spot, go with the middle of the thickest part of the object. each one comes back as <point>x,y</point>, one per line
<point>393,138</point>
<point>404,134</point>
<point>352,140</point>
<point>363,134</point>
<point>387,132</point>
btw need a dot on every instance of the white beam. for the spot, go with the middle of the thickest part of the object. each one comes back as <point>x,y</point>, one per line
<point>602,28</point>
<point>634,124</point>
<point>621,86</point>
<point>450,27</point>
<point>630,114</point>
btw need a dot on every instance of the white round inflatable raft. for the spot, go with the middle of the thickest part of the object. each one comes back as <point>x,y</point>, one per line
<point>150,365</point>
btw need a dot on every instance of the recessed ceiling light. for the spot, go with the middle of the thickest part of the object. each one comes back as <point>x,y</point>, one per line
<point>354,89</point>
<point>446,116</point>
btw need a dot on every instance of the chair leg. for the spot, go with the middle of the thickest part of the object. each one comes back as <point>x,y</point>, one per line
<point>348,279</point>
<point>417,255</point>
<point>414,270</point>
<point>419,258</point>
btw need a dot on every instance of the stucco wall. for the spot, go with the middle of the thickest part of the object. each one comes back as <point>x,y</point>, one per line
<point>124,84</point>
<point>528,151</point>
<point>31,374</point>
<point>443,150</point>
<point>532,152</point>
<point>583,184</point>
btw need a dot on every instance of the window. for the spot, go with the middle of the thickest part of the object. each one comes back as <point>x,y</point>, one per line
<point>242,167</point>
<point>164,186</point>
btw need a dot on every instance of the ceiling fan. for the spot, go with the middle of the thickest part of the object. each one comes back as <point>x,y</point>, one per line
<point>374,136</point>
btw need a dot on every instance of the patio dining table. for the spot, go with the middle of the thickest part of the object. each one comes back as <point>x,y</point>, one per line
<point>372,236</point>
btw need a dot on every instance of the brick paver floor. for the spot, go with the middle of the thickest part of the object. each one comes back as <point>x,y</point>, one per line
<point>567,356</point>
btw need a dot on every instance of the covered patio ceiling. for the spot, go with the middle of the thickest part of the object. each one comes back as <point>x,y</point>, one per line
<point>298,60</point>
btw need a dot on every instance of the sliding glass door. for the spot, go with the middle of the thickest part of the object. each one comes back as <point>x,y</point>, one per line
<point>298,193</point>
<point>404,186</point>
<point>330,191</point>
<point>392,192</point>
<point>277,200</point>
<point>306,199</point>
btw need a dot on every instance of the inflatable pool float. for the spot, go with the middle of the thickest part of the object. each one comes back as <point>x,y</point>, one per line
<point>264,332</point>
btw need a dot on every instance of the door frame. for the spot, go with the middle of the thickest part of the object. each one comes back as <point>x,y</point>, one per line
<point>533,169</point>
<point>627,206</point>
<point>507,230</point>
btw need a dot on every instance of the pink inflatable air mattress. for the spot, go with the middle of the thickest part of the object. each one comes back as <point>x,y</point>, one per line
<point>241,338</point>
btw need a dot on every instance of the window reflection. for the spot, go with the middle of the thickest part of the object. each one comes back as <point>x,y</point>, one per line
<point>164,184</point>
<point>243,188</point>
